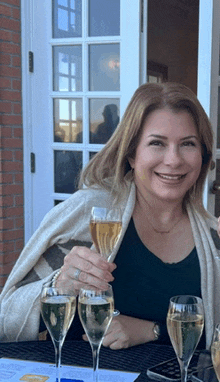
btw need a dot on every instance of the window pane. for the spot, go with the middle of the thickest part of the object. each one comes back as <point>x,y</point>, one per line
<point>104,18</point>
<point>104,73</point>
<point>67,166</point>
<point>67,18</point>
<point>104,118</point>
<point>67,68</point>
<point>68,120</point>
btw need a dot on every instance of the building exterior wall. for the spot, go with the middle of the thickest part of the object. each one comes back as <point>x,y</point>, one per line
<point>11,141</point>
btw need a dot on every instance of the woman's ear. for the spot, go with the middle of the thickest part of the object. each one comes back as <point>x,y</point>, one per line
<point>131,162</point>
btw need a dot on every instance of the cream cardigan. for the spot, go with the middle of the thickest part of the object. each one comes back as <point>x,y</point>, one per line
<point>68,222</point>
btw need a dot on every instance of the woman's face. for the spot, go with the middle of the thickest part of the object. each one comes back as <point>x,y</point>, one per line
<point>168,158</point>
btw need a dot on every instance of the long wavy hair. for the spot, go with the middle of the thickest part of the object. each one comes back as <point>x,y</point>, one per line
<point>109,168</point>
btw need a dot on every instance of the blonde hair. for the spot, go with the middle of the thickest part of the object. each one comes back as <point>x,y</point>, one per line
<point>112,161</point>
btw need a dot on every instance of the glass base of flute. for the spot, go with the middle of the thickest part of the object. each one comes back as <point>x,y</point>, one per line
<point>106,228</point>
<point>185,322</point>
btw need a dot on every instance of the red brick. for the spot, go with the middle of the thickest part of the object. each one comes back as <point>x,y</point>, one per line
<point>10,71</point>
<point>10,48</point>
<point>5,83</point>
<point>11,189</point>
<point>6,201</point>
<point>16,61</point>
<point>7,247</point>
<point>6,269</point>
<point>4,10</point>
<point>5,107</point>
<point>6,223</point>
<point>19,223</point>
<point>12,234</point>
<point>12,25</point>
<point>6,35</point>
<point>19,178</point>
<point>11,119</point>
<point>6,155</point>
<point>18,132</point>
<point>16,84</point>
<point>19,245</point>
<point>14,2</point>
<point>16,37</point>
<point>6,178</point>
<point>15,13</point>
<point>19,155</point>
<point>10,166</point>
<point>5,59</point>
<point>16,107</point>
<point>10,95</point>
<point>12,143</point>
<point>6,132</point>
<point>13,211</point>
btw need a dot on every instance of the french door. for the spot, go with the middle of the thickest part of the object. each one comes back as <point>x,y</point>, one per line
<point>83,59</point>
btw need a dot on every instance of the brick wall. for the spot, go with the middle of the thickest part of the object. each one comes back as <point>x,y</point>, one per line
<point>11,142</point>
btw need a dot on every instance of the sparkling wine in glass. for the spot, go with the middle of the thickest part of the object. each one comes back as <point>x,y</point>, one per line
<point>215,351</point>
<point>95,308</point>
<point>185,322</point>
<point>105,228</point>
<point>58,306</point>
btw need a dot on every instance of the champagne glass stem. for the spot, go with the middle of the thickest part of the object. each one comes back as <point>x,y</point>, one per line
<point>58,347</point>
<point>95,356</point>
<point>183,370</point>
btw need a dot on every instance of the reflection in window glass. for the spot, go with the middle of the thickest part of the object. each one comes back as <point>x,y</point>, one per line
<point>67,18</point>
<point>104,67</point>
<point>92,154</point>
<point>67,166</point>
<point>104,118</point>
<point>104,18</point>
<point>68,120</point>
<point>67,68</point>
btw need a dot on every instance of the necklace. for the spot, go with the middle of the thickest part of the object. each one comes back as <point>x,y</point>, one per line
<point>166,231</point>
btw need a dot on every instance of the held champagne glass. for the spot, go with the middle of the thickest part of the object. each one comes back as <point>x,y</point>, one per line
<point>95,308</point>
<point>105,228</point>
<point>185,321</point>
<point>58,306</point>
<point>215,351</point>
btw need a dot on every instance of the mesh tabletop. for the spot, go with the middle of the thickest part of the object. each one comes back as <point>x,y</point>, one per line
<point>78,353</point>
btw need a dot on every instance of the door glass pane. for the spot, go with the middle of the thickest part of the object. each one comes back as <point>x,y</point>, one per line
<point>67,68</point>
<point>104,67</point>
<point>104,118</point>
<point>67,18</point>
<point>67,166</point>
<point>67,120</point>
<point>104,18</point>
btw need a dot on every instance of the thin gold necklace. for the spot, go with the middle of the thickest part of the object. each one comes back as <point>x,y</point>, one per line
<point>167,231</point>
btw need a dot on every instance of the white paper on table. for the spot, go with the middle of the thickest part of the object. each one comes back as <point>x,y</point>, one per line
<point>17,370</point>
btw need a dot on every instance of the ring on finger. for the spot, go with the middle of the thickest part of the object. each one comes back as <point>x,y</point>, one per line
<point>76,273</point>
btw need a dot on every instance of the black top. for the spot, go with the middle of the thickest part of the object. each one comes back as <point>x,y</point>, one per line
<point>144,284</point>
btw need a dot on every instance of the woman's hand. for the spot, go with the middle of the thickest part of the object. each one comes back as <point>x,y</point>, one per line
<point>83,266</point>
<point>125,331</point>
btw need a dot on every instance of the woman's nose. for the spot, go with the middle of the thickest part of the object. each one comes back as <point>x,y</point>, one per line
<point>173,157</point>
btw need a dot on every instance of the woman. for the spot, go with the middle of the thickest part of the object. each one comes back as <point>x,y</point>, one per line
<point>154,167</point>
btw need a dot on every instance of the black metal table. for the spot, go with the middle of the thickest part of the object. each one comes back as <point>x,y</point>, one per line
<point>78,353</point>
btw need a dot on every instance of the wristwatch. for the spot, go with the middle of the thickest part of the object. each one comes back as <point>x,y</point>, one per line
<point>156,330</point>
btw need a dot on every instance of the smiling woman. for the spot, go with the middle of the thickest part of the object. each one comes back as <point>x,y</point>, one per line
<point>153,168</point>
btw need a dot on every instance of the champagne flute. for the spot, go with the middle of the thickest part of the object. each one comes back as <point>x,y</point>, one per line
<point>95,309</point>
<point>215,351</point>
<point>58,306</point>
<point>185,322</point>
<point>105,228</point>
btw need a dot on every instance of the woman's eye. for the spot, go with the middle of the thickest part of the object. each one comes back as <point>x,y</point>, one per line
<point>189,143</point>
<point>156,143</point>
